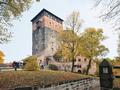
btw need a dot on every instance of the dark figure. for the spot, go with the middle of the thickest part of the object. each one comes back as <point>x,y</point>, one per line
<point>15,65</point>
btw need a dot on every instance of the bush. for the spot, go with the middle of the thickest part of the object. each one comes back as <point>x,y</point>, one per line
<point>31,63</point>
<point>52,67</point>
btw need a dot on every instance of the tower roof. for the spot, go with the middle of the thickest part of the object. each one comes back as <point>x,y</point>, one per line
<point>47,12</point>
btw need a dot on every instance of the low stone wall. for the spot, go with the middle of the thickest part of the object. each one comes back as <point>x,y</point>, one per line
<point>83,84</point>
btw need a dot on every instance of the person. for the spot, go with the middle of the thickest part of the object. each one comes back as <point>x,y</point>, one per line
<point>14,65</point>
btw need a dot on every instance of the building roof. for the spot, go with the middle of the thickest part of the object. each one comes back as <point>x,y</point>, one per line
<point>47,12</point>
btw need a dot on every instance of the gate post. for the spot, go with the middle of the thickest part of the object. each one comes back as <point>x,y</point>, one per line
<point>106,75</point>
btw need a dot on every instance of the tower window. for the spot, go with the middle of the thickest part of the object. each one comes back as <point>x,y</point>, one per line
<point>52,49</point>
<point>78,66</point>
<point>85,59</point>
<point>79,60</point>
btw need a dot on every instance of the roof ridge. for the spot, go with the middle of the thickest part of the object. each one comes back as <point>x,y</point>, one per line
<point>48,12</point>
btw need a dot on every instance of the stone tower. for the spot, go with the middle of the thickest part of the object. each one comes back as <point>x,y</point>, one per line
<point>45,29</point>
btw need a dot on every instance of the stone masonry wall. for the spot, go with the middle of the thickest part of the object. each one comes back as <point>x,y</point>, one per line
<point>38,40</point>
<point>44,41</point>
<point>84,84</point>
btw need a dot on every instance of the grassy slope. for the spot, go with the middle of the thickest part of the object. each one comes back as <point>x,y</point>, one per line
<point>13,79</point>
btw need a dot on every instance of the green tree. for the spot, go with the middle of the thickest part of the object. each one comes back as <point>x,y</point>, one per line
<point>9,10</point>
<point>91,46</point>
<point>31,63</point>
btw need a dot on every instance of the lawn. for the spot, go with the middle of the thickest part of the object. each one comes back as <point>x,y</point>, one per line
<point>41,78</point>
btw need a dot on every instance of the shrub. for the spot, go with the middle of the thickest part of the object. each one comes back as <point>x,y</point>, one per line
<point>52,67</point>
<point>31,63</point>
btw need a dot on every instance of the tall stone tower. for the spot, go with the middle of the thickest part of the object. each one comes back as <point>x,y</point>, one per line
<point>45,29</point>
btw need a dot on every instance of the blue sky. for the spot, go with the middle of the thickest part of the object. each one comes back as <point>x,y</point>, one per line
<point>21,43</point>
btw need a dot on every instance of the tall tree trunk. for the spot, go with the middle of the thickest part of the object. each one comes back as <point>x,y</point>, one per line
<point>72,65</point>
<point>73,60</point>
<point>88,67</point>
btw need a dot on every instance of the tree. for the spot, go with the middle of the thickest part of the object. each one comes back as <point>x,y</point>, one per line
<point>110,10</point>
<point>66,49</point>
<point>31,63</point>
<point>69,36</point>
<point>118,49</point>
<point>1,57</point>
<point>90,46</point>
<point>9,10</point>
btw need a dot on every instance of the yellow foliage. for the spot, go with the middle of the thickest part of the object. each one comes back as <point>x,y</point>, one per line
<point>1,57</point>
<point>31,63</point>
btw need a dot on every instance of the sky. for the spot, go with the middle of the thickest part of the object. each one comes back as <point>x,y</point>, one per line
<point>21,42</point>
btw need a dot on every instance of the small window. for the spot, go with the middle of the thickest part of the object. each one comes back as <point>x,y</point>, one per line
<point>37,22</point>
<point>52,49</point>
<point>78,66</point>
<point>85,59</point>
<point>79,60</point>
<point>75,65</point>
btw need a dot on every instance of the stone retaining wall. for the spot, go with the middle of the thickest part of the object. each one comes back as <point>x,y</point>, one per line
<point>84,84</point>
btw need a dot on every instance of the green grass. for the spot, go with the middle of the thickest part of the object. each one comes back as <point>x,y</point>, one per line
<point>14,79</point>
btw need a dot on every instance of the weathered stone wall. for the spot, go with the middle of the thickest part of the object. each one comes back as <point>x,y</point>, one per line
<point>44,41</point>
<point>51,43</point>
<point>38,40</point>
<point>84,84</point>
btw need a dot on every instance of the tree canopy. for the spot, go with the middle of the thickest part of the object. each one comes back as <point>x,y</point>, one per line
<point>109,10</point>
<point>1,57</point>
<point>10,10</point>
<point>90,46</point>
<point>73,24</point>
<point>91,43</point>
<point>68,45</point>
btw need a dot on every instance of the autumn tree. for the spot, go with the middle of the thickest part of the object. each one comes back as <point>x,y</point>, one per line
<point>66,49</point>
<point>31,63</point>
<point>1,57</point>
<point>73,23</point>
<point>90,46</point>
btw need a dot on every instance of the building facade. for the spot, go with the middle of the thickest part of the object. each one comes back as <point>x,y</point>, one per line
<point>81,64</point>
<point>45,29</point>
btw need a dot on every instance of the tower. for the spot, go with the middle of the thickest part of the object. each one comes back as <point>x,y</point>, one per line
<point>45,29</point>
